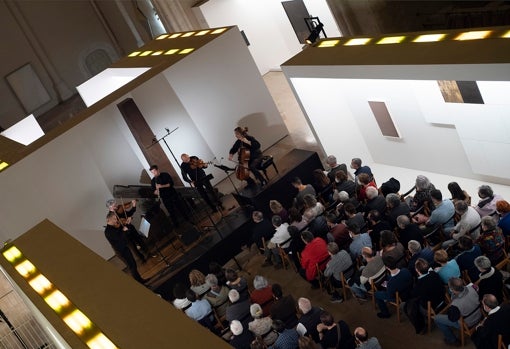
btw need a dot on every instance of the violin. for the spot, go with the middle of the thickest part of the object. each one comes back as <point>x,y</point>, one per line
<point>198,163</point>
<point>122,209</point>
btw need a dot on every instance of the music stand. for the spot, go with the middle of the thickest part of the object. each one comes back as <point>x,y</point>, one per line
<point>144,228</point>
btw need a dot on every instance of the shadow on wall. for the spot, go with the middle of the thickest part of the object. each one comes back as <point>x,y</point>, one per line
<point>259,127</point>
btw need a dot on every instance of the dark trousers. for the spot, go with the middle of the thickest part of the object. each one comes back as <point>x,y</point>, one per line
<point>135,240</point>
<point>127,257</point>
<point>174,203</point>
<point>415,314</point>
<point>206,191</point>
<point>254,165</point>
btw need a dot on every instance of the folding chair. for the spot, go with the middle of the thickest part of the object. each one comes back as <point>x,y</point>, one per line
<point>432,312</point>
<point>323,283</point>
<point>375,285</point>
<point>464,329</point>
<point>349,272</point>
<point>396,303</point>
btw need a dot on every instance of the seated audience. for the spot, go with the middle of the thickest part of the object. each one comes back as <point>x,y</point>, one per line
<point>422,196</point>
<point>443,213</point>
<point>261,326</point>
<point>376,225</point>
<point>343,183</point>
<point>334,167</point>
<point>296,219</point>
<point>179,292</point>
<point>408,231</point>
<point>363,341</point>
<point>310,317</point>
<point>238,309</point>
<point>302,189</point>
<point>296,246</point>
<point>395,208</point>
<point>464,303</point>
<point>391,186</point>
<point>237,282</point>
<point>469,224</point>
<point>338,232</point>
<point>374,201</point>
<point>262,294</point>
<point>261,229</point>
<point>490,280</point>
<point>332,334</point>
<point>390,246</point>
<point>216,269</point>
<point>305,342</point>
<point>365,181</point>
<point>284,307</point>
<point>198,284</point>
<point>400,280</point>
<point>287,337</point>
<point>323,185</point>
<point>466,258</point>
<point>356,165</point>
<point>352,216</point>
<point>428,288</point>
<point>217,295</point>
<point>373,269</point>
<point>416,252</point>
<point>447,268</point>
<point>487,204</point>
<point>458,194</point>
<point>344,199</point>
<point>277,209</point>
<point>315,253</point>
<point>358,240</point>
<point>312,207</point>
<point>503,208</point>
<point>340,261</point>
<point>200,310</point>
<point>241,338</point>
<point>281,237</point>
<point>496,323</point>
<point>491,240</point>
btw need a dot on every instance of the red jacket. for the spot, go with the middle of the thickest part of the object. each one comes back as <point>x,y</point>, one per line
<point>316,251</point>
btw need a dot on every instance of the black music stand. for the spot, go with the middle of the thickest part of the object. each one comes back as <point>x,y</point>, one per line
<point>145,226</point>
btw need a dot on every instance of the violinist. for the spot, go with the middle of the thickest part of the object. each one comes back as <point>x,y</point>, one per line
<point>247,144</point>
<point>192,170</point>
<point>116,234</point>
<point>124,215</point>
<point>163,186</point>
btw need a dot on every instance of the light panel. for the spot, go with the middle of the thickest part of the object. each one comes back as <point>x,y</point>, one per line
<point>186,50</point>
<point>3,165</point>
<point>40,284</point>
<point>430,38</point>
<point>506,35</point>
<point>145,53</point>
<point>473,35</point>
<point>12,254</point>
<point>175,35</point>
<point>57,301</point>
<point>218,31</point>
<point>134,54</point>
<point>157,53</point>
<point>78,322</point>
<point>172,51</point>
<point>328,43</point>
<point>391,40</point>
<point>162,36</point>
<point>101,342</point>
<point>25,268</point>
<point>188,34</point>
<point>357,41</point>
<point>203,32</point>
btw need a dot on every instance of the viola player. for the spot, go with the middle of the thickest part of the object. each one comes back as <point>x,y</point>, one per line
<point>249,156</point>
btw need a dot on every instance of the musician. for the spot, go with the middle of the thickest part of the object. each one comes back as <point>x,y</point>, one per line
<point>249,142</point>
<point>116,234</point>
<point>163,186</point>
<point>192,170</point>
<point>125,214</point>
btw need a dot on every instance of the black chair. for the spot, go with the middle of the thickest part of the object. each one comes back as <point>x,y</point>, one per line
<point>267,160</point>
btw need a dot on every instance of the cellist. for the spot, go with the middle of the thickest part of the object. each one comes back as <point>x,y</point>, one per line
<point>246,142</point>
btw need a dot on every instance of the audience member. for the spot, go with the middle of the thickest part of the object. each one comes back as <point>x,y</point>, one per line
<point>490,280</point>
<point>216,269</point>
<point>180,301</point>
<point>303,189</point>
<point>428,288</point>
<point>296,219</point>
<point>458,194</point>
<point>338,232</point>
<point>447,268</point>
<point>241,339</point>
<point>395,208</point>
<point>305,342</point>
<point>287,337</point>
<point>352,216</point>
<point>198,284</point>
<point>356,165</point>
<point>400,281</point>
<point>262,294</point>
<point>217,295</point>
<point>416,252</point>
<point>365,181</point>
<point>503,208</point>
<point>466,258</point>
<point>261,229</point>
<point>376,226</point>
<point>464,303</point>
<point>491,240</point>
<point>238,309</point>
<point>422,196</point>
<point>283,308</point>
<point>332,334</point>
<point>323,185</point>
<point>314,254</point>
<point>343,183</point>
<point>363,341</point>
<point>374,201</point>
<point>312,207</point>
<point>496,323</point>
<point>408,231</point>
<point>487,204</point>
<point>281,238</point>
<point>467,225</point>
<point>391,186</point>
<point>237,282</point>
<point>344,199</point>
<point>200,310</point>
<point>334,167</point>
<point>261,326</point>
<point>358,240</point>
<point>277,209</point>
<point>310,317</point>
<point>373,269</point>
<point>340,261</point>
<point>390,246</point>
<point>443,213</point>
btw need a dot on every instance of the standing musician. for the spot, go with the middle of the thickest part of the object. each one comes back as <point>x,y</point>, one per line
<point>248,143</point>
<point>192,170</point>
<point>124,215</point>
<point>116,234</point>
<point>163,186</point>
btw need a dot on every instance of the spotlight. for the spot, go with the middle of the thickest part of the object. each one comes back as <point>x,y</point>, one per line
<point>314,35</point>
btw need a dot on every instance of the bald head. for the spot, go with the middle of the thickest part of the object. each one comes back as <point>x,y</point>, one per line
<point>361,334</point>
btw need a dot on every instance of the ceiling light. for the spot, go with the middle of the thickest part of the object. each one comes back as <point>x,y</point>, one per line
<point>175,35</point>
<point>430,38</point>
<point>40,284</point>
<point>218,31</point>
<point>186,50</point>
<point>358,41</point>
<point>172,51</point>
<point>25,268</point>
<point>134,54</point>
<point>391,40</point>
<point>506,35</point>
<point>203,32</point>
<point>185,35</point>
<point>145,53</point>
<point>12,254</point>
<point>474,35</point>
<point>157,53</point>
<point>328,43</point>
<point>162,36</point>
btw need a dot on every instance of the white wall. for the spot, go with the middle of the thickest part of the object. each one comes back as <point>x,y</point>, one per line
<point>265,23</point>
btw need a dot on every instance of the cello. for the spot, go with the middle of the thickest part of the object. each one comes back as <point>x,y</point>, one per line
<point>242,169</point>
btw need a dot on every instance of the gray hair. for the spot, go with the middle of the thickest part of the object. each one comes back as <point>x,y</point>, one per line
<point>343,196</point>
<point>489,223</point>
<point>211,280</point>
<point>371,193</point>
<point>393,200</point>
<point>485,191</point>
<point>304,305</point>
<point>414,246</point>
<point>461,206</point>
<point>422,182</point>
<point>260,282</point>
<point>331,160</point>
<point>403,221</point>
<point>483,263</point>
<point>110,202</point>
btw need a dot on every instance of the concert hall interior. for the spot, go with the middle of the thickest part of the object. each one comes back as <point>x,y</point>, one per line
<point>185,93</point>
